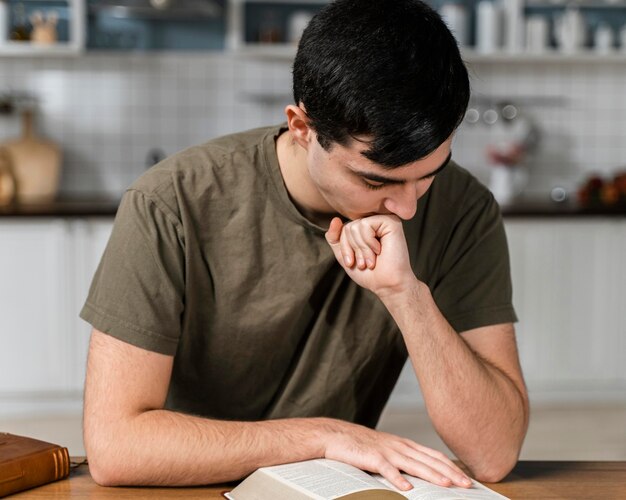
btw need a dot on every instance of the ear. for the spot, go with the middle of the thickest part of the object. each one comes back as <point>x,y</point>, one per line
<point>298,123</point>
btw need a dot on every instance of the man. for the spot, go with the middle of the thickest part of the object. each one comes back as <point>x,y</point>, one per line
<point>260,293</point>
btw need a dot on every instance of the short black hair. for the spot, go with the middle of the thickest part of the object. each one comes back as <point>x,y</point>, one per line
<point>389,69</point>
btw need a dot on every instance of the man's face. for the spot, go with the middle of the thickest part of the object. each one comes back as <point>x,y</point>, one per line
<point>355,187</point>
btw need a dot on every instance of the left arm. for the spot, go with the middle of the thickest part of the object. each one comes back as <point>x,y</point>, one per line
<point>472,383</point>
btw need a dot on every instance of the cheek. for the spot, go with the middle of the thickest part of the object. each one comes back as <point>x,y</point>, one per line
<point>424,186</point>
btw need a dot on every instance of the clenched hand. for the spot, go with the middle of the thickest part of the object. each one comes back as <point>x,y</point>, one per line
<point>373,252</point>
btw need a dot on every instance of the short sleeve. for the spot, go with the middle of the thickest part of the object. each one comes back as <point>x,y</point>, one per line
<point>137,293</point>
<point>474,286</point>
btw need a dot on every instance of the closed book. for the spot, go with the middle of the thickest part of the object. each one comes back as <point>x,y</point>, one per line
<point>26,463</point>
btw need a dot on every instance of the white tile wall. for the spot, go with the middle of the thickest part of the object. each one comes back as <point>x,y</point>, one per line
<point>109,110</point>
<point>579,107</point>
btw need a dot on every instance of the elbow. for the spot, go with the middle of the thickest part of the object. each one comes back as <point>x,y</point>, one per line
<point>492,474</point>
<point>497,470</point>
<point>103,471</point>
<point>105,466</point>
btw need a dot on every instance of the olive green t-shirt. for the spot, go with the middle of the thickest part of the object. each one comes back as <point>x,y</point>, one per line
<point>210,261</point>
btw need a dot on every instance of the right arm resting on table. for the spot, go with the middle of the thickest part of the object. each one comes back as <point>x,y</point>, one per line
<point>131,440</point>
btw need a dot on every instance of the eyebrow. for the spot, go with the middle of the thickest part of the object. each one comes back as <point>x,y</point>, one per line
<point>381,178</point>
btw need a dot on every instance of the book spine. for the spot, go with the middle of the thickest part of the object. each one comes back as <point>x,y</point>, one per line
<point>34,470</point>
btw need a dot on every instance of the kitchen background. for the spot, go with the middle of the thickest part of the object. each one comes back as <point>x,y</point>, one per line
<point>119,84</point>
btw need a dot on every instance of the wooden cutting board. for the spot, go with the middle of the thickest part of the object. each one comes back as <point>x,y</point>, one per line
<point>35,163</point>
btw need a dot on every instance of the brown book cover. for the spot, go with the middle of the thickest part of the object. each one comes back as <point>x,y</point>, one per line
<point>26,463</point>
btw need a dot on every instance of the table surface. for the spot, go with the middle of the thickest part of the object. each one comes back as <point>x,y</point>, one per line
<point>98,205</point>
<point>529,480</point>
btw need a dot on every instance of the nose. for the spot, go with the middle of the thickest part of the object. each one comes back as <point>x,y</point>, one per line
<point>403,202</point>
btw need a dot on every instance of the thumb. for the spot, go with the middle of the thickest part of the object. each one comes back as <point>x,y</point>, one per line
<point>333,235</point>
<point>334,231</point>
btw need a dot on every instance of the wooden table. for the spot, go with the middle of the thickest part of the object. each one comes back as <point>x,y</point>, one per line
<point>530,480</point>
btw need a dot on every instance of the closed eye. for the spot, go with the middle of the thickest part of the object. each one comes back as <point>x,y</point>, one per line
<point>369,184</point>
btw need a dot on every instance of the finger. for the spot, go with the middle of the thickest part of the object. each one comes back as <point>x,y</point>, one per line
<point>347,251</point>
<point>433,453</point>
<point>368,232</point>
<point>440,462</point>
<point>356,248</point>
<point>333,237</point>
<point>334,231</point>
<point>420,469</point>
<point>392,474</point>
<point>364,237</point>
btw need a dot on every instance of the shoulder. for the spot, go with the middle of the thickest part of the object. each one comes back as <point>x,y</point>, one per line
<point>458,185</point>
<point>457,195</point>
<point>208,169</point>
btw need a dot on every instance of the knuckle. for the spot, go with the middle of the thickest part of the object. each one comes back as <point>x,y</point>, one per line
<point>380,462</point>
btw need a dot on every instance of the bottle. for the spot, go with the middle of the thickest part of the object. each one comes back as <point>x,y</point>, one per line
<point>488,26</point>
<point>269,29</point>
<point>455,17</point>
<point>20,31</point>
<point>298,21</point>
<point>537,34</point>
<point>570,30</point>
<point>514,19</point>
<point>603,39</point>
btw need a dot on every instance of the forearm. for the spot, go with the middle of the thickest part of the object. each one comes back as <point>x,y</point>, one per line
<point>476,408</point>
<point>161,447</point>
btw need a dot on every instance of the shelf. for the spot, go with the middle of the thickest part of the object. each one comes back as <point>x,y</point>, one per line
<point>286,2</point>
<point>76,36</point>
<point>585,4</point>
<point>287,52</point>
<point>268,51</point>
<point>551,56</point>
<point>27,49</point>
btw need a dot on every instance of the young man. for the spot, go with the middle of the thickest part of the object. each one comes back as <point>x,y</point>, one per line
<point>260,293</point>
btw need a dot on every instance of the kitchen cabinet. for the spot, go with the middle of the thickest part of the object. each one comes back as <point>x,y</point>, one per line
<point>569,287</point>
<point>267,27</point>
<point>46,266</point>
<point>561,32</point>
<point>569,292</point>
<point>260,29</point>
<point>569,280</point>
<point>147,25</point>
<point>70,28</point>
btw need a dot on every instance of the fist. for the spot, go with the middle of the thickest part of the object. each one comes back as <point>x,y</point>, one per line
<point>373,252</point>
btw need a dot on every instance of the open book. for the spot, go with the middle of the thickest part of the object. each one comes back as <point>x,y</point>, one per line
<point>324,479</point>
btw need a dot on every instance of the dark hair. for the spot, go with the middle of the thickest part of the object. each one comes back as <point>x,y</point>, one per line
<point>389,69</point>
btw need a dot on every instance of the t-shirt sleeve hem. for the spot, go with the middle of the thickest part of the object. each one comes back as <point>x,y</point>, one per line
<point>127,332</point>
<point>483,317</point>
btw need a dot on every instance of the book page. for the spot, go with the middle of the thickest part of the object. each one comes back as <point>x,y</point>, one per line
<point>325,478</point>
<point>423,490</point>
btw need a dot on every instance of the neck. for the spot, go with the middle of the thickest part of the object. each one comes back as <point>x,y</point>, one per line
<point>292,159</point>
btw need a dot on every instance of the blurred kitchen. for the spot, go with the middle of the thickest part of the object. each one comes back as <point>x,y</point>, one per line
<point>93,92</point>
